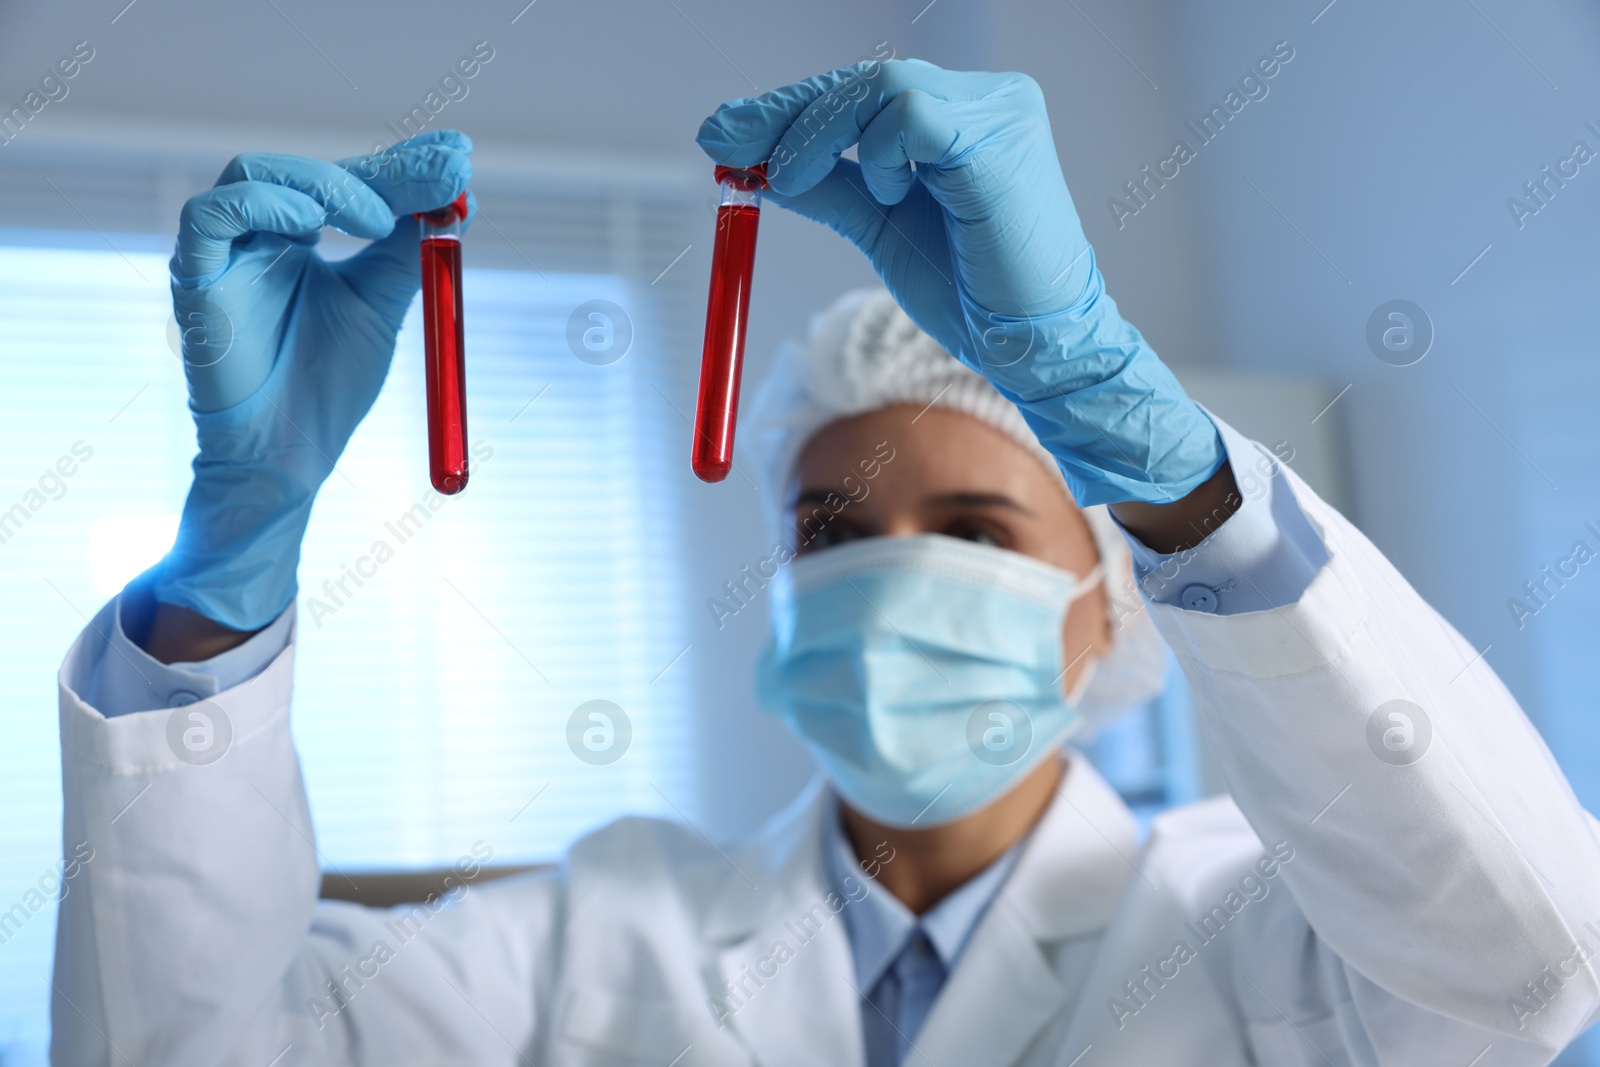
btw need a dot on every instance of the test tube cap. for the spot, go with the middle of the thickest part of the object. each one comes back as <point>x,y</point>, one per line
<point>455,210</point>
<point>745,179</point>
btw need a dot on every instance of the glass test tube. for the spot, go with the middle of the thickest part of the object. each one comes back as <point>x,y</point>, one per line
<point>442,334</point>
<point>733,257</point>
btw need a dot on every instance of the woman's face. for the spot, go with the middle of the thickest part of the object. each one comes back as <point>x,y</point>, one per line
<point>949,474</point>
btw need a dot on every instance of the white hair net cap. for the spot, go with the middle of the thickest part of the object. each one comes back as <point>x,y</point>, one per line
<point>863,353</point>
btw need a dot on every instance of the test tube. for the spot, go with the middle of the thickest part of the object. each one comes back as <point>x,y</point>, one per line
<point>442,335</point>
<point>733,255</point>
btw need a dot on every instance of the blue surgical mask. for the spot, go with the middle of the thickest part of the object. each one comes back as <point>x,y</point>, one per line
<point>924,673</point>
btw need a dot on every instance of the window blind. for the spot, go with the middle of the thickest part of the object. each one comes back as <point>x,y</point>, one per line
<point>435,701</point>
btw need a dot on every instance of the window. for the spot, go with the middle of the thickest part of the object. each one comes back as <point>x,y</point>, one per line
<point>433,700</point>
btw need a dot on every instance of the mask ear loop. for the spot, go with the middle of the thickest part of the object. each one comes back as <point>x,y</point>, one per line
<point>1095,577</point>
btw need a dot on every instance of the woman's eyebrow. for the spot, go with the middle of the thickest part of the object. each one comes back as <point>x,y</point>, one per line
<point>977,500</point>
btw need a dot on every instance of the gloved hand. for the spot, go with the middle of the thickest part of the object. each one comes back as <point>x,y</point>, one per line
<point>285,352</point>
<point>981,245</point>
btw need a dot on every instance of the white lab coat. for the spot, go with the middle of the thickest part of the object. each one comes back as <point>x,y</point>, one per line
<point>1407,909</point>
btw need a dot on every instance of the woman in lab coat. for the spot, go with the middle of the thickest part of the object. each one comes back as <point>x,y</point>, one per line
<point>1400,874</point>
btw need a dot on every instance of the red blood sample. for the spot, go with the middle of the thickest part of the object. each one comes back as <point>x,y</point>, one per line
<point>443,337</point>
<point>733,258</point>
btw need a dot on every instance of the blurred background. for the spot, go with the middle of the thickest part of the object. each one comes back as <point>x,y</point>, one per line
<point>1426,153</point>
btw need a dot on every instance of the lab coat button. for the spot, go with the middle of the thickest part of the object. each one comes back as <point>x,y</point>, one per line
<point>181,697</point>
<point>1199,598</point>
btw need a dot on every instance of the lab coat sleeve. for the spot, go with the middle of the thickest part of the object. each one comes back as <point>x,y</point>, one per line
<point>128,679</point>
<point>1263,556</point>
<point>192,933</point>
<point>1448,879</point>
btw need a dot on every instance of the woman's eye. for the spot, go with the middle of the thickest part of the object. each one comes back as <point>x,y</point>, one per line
<point>977,534</point>
<point>832,534</point>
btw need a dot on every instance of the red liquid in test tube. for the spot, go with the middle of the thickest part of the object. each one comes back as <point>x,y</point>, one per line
<point>442,334</point>
<point>733,258</point>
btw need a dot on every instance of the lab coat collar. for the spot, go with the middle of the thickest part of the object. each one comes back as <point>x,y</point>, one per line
<point>782,863</point>
<point>1077,863</point>
<point>880,926</point>
<point>1068,881</point>
<point>783,978</point>
<point>1067,884</point>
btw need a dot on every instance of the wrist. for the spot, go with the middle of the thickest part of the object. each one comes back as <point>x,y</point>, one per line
<point>1184,523</point>
<point>179,635</point>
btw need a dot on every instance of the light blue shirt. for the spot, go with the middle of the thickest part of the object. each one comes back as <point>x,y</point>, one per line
<point>902,960</point>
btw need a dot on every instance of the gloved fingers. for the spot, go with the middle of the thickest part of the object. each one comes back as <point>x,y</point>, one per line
<point>743,133</point>
<point>449,138</point>
<point>912,128</point>
<point>213,220</point>
<point>840,201</point>
<point>801,129</point>
<point>811,146</point>
<point>421,174</point>
<point>386,273</point>
<point>910,251</point>
<point>350,205</point>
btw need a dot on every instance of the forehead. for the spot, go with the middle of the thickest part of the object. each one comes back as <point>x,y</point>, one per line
<point>934,450</point>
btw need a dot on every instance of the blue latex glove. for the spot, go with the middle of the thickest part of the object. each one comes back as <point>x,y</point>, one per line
<point>981,245</point>
<point>285,352</point>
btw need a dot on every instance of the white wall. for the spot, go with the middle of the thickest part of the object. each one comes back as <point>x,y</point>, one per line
<point>1394,141</point>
